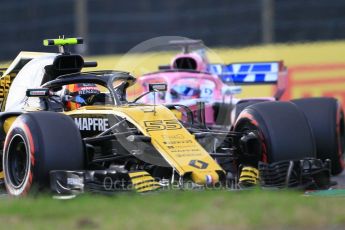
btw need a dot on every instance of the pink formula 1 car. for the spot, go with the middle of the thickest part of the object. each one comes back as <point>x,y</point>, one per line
<point>205,93</point>
<point>190,79</point>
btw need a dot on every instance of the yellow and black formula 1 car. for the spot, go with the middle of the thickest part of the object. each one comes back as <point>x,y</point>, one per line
<point>75,131</point>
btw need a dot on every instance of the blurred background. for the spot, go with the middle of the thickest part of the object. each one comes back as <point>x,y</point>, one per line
<point>307,34</point>
<point>112,26</point>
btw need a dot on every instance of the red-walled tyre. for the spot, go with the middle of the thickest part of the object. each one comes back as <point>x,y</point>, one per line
<point>326,118</point>
<point>241,105</point>
<point>284,131</point>
<point>37,143</point>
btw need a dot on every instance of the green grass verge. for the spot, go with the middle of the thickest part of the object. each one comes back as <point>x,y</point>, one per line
<point>177,210</point>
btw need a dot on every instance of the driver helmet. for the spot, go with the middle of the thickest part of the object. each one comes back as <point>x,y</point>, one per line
<point>81,94</point>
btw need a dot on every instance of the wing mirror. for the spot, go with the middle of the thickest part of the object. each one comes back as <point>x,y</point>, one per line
<point>158,87</point>
<point>41,92</point>
<point>153,88</point>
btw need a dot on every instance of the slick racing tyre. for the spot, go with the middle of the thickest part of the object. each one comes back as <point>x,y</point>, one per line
<point>37,143</point>
<point>241,105</point>
<point>326,118</point>
<point>283,130</point>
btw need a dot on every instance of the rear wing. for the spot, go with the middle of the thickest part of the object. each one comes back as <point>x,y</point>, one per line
<point>253,73</point>
<point>248,73</point>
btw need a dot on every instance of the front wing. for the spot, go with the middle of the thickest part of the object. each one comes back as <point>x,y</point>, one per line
<point>303,174</point>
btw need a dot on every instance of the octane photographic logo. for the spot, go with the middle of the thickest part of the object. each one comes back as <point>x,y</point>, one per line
<point>111,185</point>
<point>145,58</point>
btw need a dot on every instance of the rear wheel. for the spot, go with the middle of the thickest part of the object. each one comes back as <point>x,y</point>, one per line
<point>283,129</point>
<point>36,144</point>
<point>326,118</point>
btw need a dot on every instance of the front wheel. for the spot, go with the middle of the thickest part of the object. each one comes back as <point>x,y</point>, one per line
<point>36,144</point>
<point>283,129</point>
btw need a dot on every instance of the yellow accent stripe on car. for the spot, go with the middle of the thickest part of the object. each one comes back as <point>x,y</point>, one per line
<point>136,181</point>
<point>143,182</point>
<point>249,175</point>
<point>146,185</point>
<point>251,169</point>
<point>148,189</point>
<point>136,174</point>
